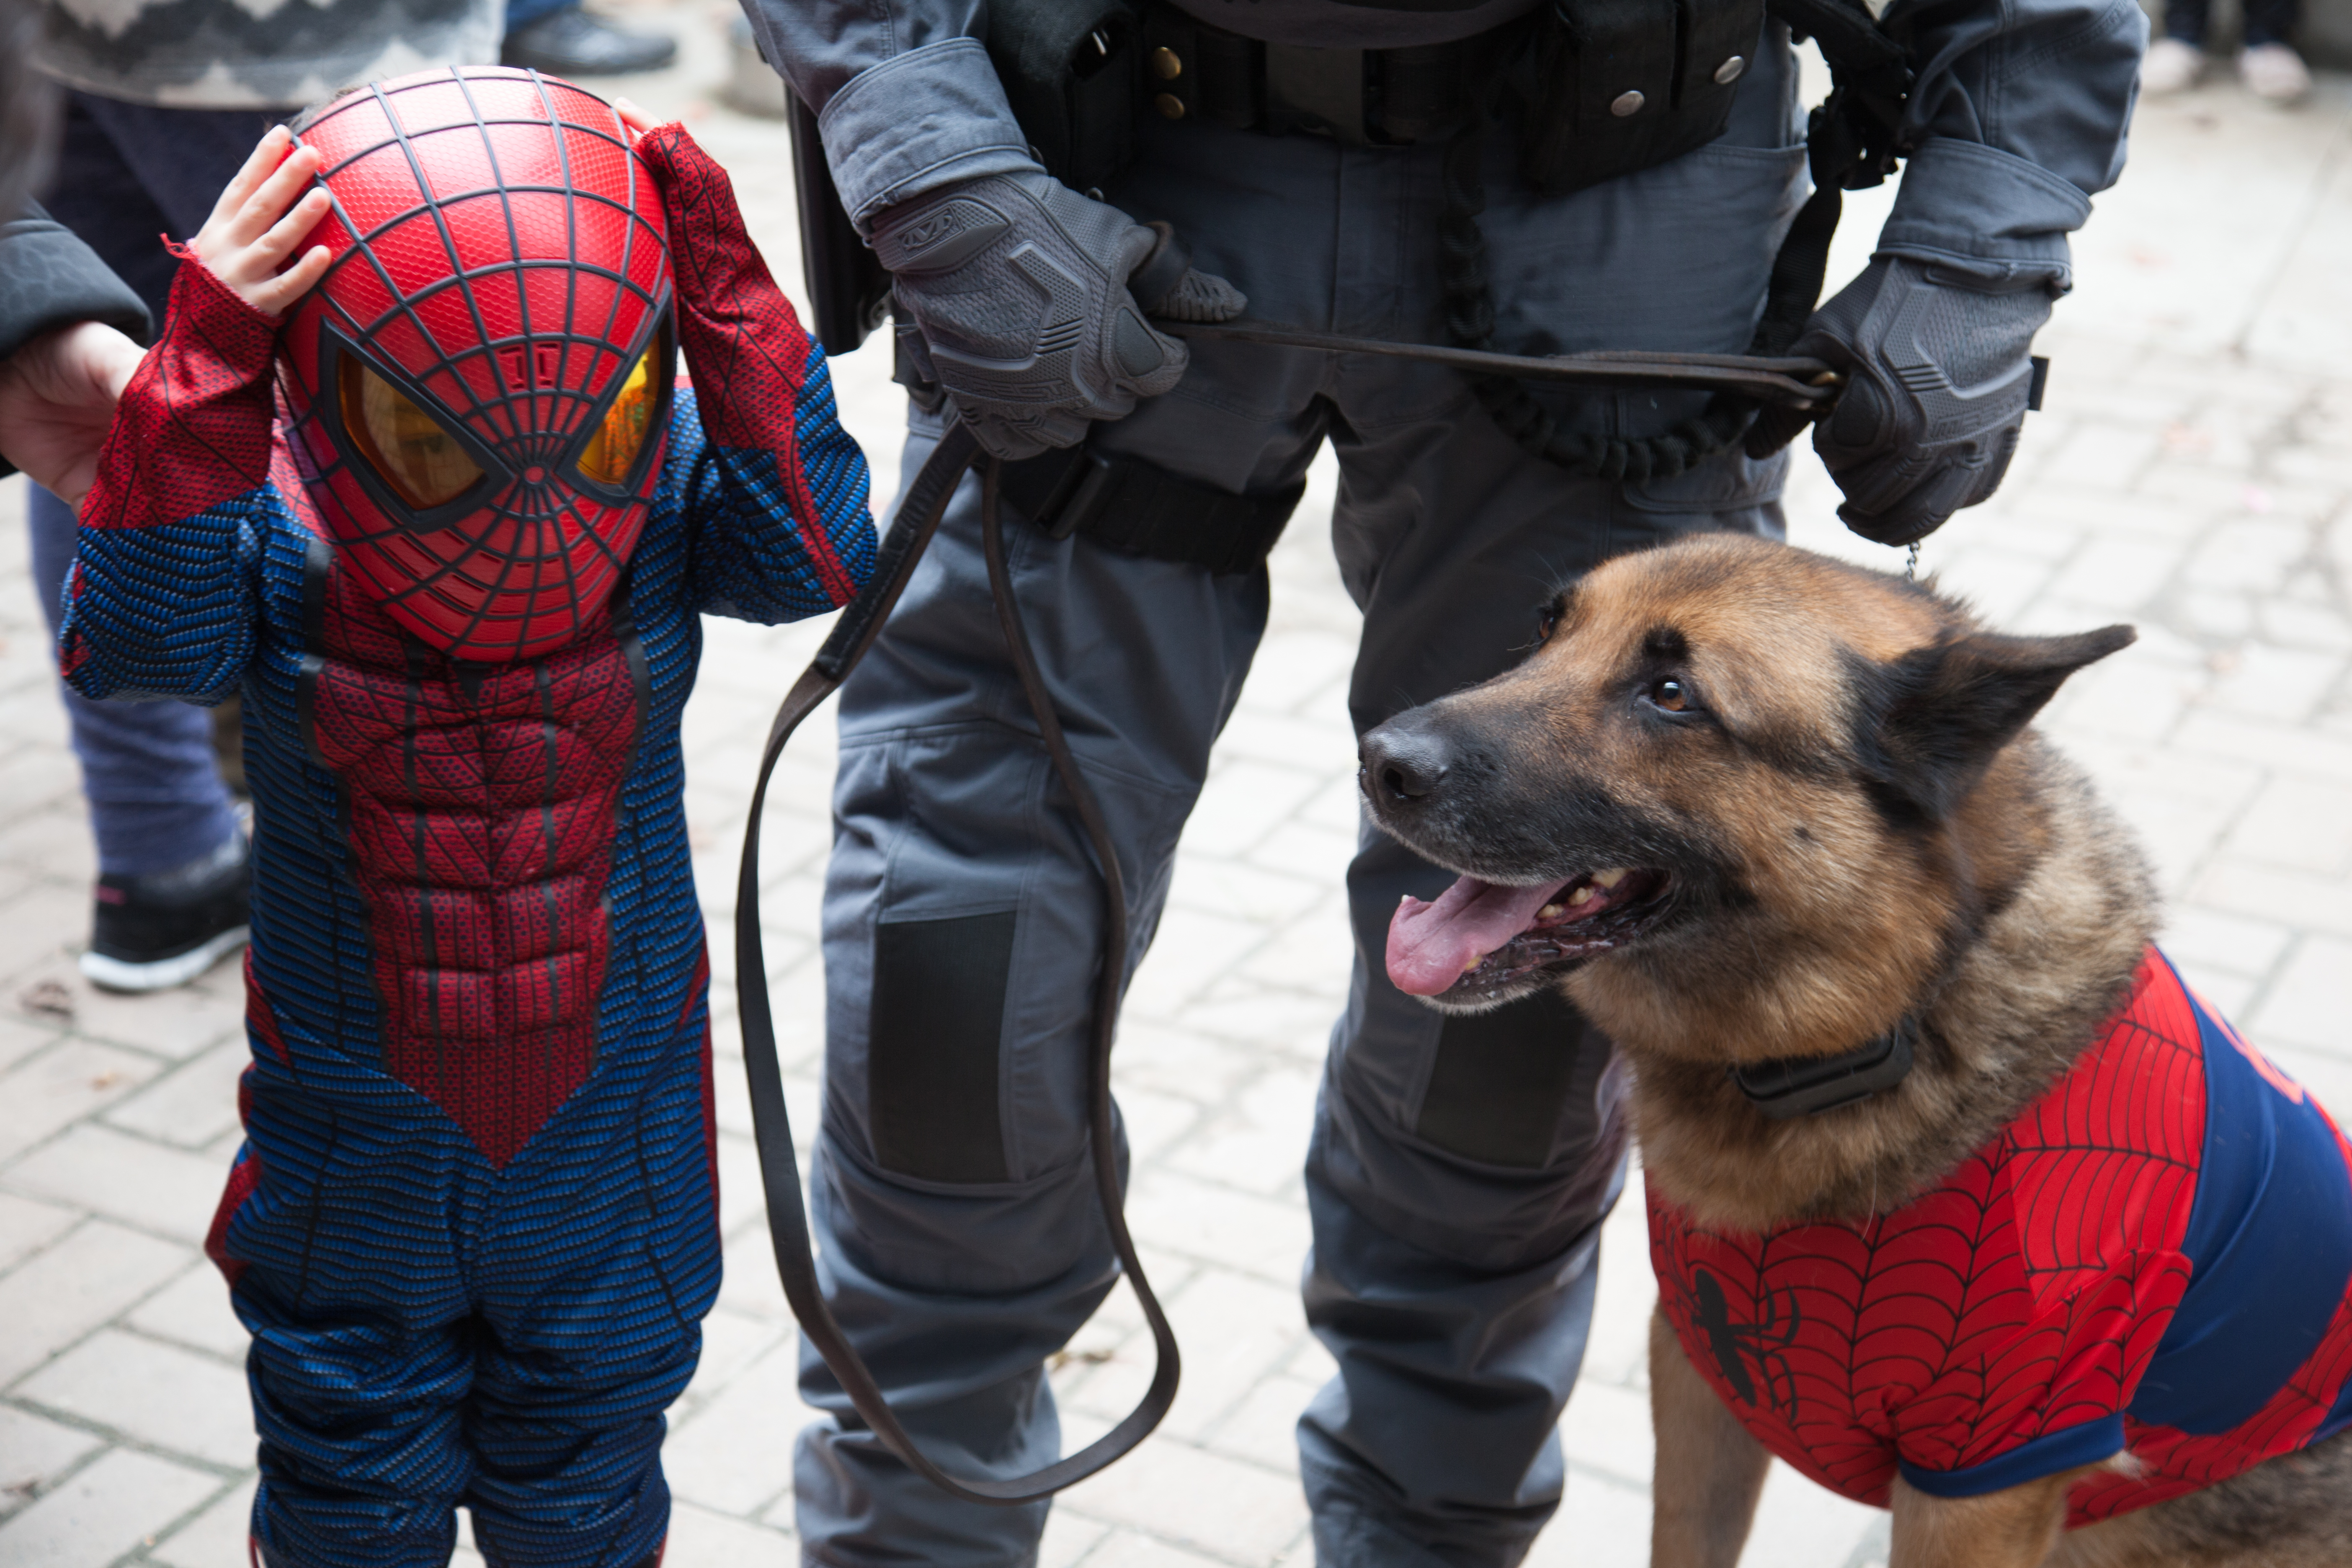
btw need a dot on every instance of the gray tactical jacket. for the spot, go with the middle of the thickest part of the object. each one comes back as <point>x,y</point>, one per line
<point>2016,119</point>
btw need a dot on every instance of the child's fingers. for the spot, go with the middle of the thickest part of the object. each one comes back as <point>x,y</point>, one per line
<point>289,231</point>
<point>635,118</point>
<point>273,296</point>
<point>270,199</point>
<point>267,155</point>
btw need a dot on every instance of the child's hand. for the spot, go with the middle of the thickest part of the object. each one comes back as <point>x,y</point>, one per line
<point>259,220</point>
<point>636,119</point>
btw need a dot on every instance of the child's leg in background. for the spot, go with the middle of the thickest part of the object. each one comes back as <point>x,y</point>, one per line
<point>2271,22</point>
<point>171,899</point>
<point>156,802</point>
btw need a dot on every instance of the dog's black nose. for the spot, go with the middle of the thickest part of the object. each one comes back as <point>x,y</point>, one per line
<point>1403,761</point>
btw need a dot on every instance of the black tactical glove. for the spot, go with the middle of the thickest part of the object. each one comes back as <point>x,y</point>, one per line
<point>1018,287</point>
<point>1937,378</point>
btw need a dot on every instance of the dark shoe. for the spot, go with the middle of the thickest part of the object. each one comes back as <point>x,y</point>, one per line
<point>570,42</point>
<point>150,933</point>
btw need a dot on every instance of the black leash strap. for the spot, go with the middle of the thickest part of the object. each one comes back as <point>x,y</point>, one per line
<point>853,635</point>
<point>1792,382</point>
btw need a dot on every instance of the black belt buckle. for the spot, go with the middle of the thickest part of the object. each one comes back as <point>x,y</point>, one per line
<point>1320,91</point>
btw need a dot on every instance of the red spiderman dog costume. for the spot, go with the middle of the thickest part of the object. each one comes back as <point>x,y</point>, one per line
<point>449,526</point>
<point>1961,1202</point>
<point>2155,1256</point>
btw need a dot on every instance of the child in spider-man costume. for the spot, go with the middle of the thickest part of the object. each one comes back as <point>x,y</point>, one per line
<point>473,1226</point>
<point>2156,1256</point>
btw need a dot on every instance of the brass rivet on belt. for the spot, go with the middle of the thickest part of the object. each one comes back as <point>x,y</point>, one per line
<point>1729,71</point>
<point>1625,103</point>
<point>1165,65</point>
<point>1170,105</point>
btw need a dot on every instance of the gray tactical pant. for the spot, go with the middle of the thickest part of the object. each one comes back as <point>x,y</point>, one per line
<point>1459,1169</point>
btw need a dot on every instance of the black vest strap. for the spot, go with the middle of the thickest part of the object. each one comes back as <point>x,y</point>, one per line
<point>1135,508</point>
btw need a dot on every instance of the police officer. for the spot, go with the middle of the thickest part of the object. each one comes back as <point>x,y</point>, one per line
<point>1312,155</point>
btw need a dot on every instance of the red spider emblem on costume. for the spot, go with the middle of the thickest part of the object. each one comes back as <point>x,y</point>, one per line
<point>1735,1346</point>
<point>481,384</point>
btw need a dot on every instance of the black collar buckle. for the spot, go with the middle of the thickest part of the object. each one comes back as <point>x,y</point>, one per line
<point>1807,1086</point>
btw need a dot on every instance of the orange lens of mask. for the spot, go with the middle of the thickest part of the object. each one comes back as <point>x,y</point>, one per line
<point>405,445</point>
<point>612,450</point>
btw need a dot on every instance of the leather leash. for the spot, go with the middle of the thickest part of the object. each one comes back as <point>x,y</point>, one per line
<point>1789,383</point>
<point>1795,382</point>
<point>861,621</point>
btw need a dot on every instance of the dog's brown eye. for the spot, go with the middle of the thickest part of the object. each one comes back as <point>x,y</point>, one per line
<point>1546,621</point>
<point>1671,695</point>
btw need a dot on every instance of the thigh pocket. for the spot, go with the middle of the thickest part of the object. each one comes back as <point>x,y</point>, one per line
<point>937,1033</point>
<point>1500,1084</point>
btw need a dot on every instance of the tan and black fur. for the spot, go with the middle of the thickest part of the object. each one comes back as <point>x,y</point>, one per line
<point>1855,826</point>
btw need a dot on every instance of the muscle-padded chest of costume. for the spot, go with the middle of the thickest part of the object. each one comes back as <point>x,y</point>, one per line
<point>480,385</point>
<point>480,802</point>
<point>478,807</point>
<point>2156,1255</point>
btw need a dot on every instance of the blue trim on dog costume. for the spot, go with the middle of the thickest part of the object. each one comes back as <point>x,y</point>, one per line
<point>2269,1246</point>
<point>2063,1449</point>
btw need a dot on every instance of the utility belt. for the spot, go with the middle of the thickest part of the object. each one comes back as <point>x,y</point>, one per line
<point>1196,73</point>
<point>1131,507</point>
<point>1589,89</point>
<point>1593,89</point>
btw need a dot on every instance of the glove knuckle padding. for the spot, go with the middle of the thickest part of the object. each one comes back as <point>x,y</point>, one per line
<point>1019,287</point>
<point>1938,380</point>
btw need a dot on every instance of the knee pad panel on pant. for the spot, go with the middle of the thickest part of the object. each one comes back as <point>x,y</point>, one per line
<point>1499,1088</point>
<point>1494,1139</point>
<point>932,1051</point>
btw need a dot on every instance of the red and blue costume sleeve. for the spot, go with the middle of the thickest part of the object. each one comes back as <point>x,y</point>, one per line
<point>776,503</point>
<point>163,598</point>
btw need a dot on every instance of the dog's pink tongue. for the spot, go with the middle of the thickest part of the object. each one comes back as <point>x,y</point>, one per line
<point>1430,945</point>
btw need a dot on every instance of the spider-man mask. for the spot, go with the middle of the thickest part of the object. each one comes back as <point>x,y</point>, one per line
<point>480,385</point>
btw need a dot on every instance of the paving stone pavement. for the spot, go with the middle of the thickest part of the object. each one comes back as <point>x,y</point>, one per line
<point>2192,474</point>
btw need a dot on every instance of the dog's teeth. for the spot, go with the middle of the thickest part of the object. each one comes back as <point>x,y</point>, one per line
<point>1608,879</point>
<point>1475,960</point>
<point>1581,896</point>
<point>1552,911</point>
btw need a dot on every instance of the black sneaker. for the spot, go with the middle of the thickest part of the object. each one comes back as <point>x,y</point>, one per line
<point>570,42</point>
<point>152,932</point>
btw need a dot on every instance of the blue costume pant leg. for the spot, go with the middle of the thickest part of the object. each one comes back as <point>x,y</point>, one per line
<point>429,1332</point>
<point>1459,1168</point>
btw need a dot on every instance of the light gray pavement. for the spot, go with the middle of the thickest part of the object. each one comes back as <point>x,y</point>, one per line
<point>2192,474</point>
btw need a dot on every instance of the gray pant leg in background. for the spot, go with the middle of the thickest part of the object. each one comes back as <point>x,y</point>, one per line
<point>1459,1169</point>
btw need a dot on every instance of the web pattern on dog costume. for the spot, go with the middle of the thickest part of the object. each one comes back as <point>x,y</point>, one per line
<point>2073,1290</point>
<point>474,1224</point>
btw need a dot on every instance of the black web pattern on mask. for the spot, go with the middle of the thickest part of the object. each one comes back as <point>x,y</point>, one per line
<point>530,425</point>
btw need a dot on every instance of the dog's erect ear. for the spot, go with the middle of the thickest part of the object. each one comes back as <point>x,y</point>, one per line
<point>1932,722</point>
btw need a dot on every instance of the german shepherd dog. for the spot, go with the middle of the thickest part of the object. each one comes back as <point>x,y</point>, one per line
<point>1778,825</point>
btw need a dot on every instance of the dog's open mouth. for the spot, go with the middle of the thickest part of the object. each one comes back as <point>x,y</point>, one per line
<point>1481,935</point>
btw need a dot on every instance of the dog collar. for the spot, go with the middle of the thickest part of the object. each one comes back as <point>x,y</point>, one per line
<point>1807,1086</point>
